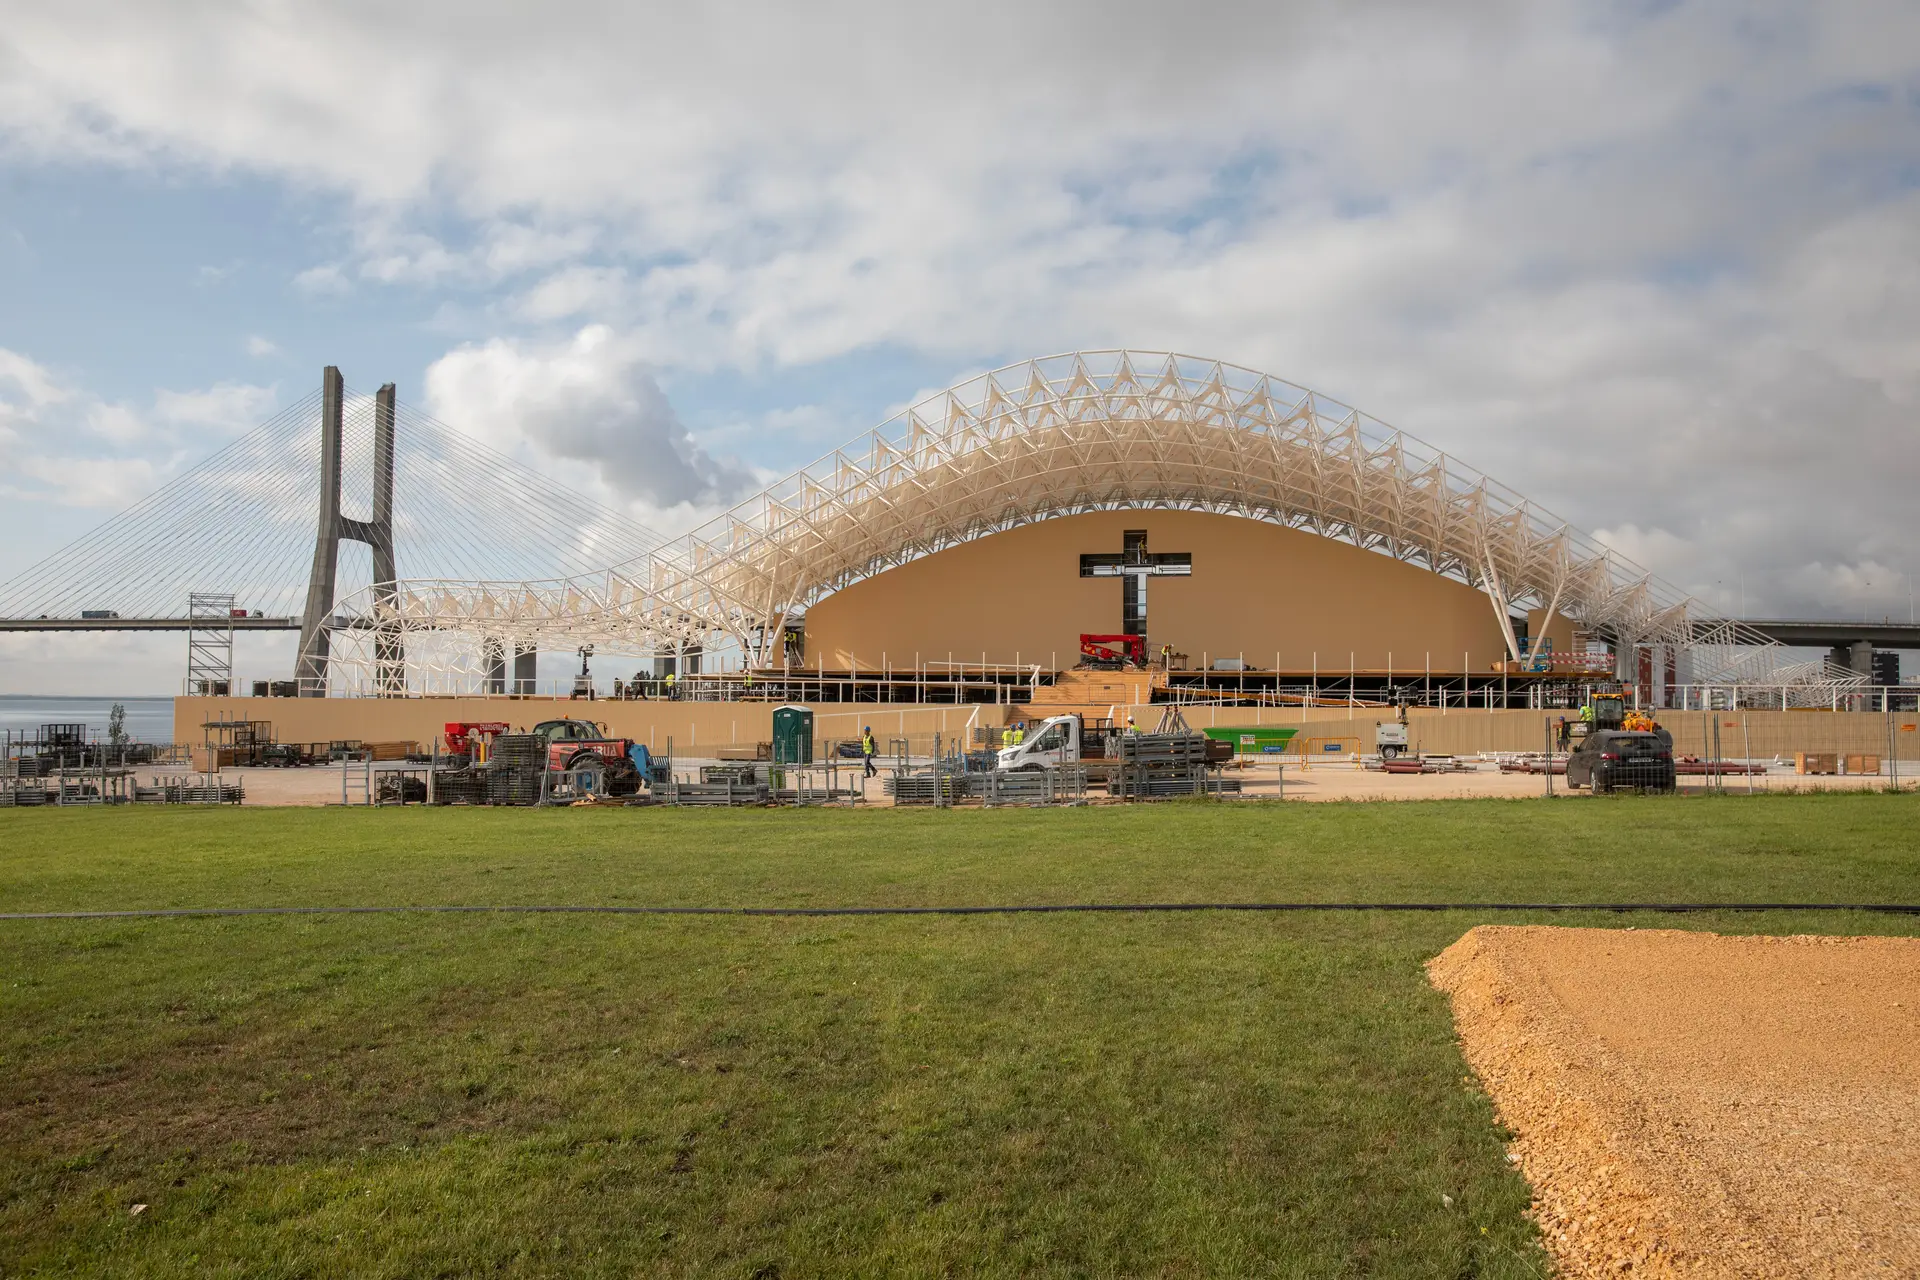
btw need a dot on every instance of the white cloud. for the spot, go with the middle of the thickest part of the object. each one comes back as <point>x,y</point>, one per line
<point>324,280</point>
<point>64,446</point>
<point>259,347</point>
<point>27,386</point>
<point>228,406</point>
<point>577,290</point>
<point>590,400</point>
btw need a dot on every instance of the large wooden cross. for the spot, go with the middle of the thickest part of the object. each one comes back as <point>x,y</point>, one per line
<point>1135,565</point>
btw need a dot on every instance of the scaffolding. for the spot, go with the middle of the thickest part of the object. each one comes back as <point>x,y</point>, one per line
<point>209,644</point>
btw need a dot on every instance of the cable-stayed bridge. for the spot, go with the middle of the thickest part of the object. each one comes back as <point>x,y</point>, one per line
<point>304,515</point>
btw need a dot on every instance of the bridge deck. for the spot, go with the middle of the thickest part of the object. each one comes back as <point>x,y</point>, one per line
<point>147,624</point>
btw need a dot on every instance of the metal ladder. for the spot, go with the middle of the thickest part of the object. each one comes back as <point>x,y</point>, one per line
<point>356,780</point>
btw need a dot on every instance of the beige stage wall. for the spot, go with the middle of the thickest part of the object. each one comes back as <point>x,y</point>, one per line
<point>697,727</point>
<point>1275,596</point>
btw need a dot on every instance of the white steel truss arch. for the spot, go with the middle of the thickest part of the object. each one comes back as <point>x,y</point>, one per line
<point>1060,435</point>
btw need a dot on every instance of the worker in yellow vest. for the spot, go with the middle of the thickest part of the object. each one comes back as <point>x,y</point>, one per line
<point>868,749</point>
<point>1006,736</point>
<point>1019,732</point>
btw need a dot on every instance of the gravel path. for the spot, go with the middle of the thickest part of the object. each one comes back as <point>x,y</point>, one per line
<point>1700,1105</point>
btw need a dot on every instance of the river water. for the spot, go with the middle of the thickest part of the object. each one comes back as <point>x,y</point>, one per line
<point>148,719</point>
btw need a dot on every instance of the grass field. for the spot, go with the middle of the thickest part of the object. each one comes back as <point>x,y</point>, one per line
<point>1117,1094</point>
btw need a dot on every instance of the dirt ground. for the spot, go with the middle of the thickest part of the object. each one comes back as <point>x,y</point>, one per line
<point>1337,780</point>
<point>1699,1105</point>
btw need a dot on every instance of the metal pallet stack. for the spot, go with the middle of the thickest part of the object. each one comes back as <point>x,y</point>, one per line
<point>1151,766</point>
<point>929,788</point>
<point>728,790</point>
<point>511,775</point>
<point>1066,785</point>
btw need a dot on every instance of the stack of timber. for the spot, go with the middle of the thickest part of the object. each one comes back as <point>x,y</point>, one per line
<point>1092,693</point>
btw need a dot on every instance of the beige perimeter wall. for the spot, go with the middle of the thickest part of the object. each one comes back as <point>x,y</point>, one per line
<point>1257,590</point>
<point>699,726</point>
<point>1765,734</point>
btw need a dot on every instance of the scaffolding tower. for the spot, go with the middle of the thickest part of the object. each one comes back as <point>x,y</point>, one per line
<point>209,644</point>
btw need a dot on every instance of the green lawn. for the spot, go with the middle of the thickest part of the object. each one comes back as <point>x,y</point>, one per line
<point>1115,1094</point>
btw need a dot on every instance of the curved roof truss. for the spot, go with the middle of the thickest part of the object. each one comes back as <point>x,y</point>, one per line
<point>1086,431</point>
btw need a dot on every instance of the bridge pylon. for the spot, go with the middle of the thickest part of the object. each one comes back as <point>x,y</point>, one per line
<point>316,621</point>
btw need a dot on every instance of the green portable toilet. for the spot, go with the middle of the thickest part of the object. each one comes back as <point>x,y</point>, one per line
<point>793,735</point>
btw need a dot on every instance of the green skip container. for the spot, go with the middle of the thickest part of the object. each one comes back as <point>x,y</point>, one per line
<point>1254,740</point>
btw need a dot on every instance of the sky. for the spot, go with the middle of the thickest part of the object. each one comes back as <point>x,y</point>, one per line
<point>1654,265</point>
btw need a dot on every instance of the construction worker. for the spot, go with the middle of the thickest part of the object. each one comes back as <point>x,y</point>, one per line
<point>1586,715</point>
<point>1133,730</point>
<point>1006,736</point>
<point>1019,732</point>
<point>1566,733</point>
<point>673,690</point>
<point>749,680</point>
<point>867,749</point>
<point>1166,657</point>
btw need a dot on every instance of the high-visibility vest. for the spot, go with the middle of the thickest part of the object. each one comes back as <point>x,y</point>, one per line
<point>1019,736</point>
<point>1006,737</point>
<point>866,743</point>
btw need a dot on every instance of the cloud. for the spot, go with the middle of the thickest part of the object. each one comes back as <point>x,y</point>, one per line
<point>228,406</point>
<point>62,445</point>
<point>323,281</point>
<point>589,399</point>
<point>259,347</point>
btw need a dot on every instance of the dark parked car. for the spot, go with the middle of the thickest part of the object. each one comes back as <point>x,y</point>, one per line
<point>1609,759</point>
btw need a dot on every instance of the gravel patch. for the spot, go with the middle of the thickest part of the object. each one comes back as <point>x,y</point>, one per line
<point>1701,1105</point>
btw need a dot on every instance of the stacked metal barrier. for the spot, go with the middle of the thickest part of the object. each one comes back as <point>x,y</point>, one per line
<point>1154,766</point>
<point>101,787</point>
<point>927,788</point>
<point>727,791</point>
<point>1064,785</point>
<point>510,776</point>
